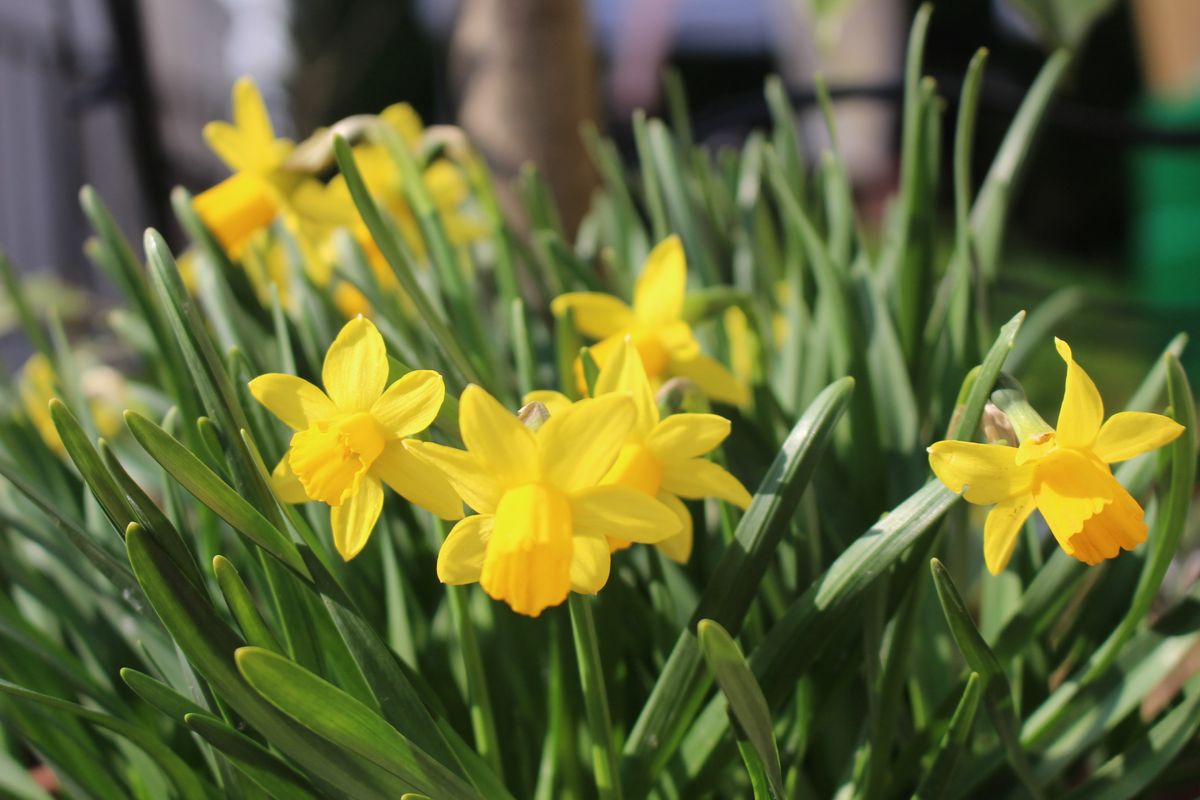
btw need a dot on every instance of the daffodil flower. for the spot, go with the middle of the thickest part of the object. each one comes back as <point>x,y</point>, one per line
<point>661,458</point>
<point>665,341</point>
<point>1063,473</point>
<point>250,198</point>
<point>542,513</point>
<point>349,438</point>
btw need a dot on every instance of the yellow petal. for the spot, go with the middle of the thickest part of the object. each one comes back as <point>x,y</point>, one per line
<point>552,400</point>
<point>590,563</point>
<point>1070,490</point>
<point>496,438</point>
<point>697,478</point>
<point>1001,530</point>
<point>460,560</point>
<point>223,139</point>
<point>475,485</point>
<point>658,295</point>
<point>622,513</point>
<point>1132,433</point>
<point>579,445</point>
<point>411,404</point>
<point>717,382</point>
<point>406,121</point>
<point>623,372</point>
<point>1082,410</point>
<point>356,366</point>
<point>682,436</point>
<point>412,479</point>
<point>287,486</point>
<point>354,519</point>
<point>676,340</point>
<point>988,472</point>
<point>250,112</point>
<point>259,146</point>
<point>677,547</point>
<point>528,560</point>
<point>294,400</point>
<point>594,314</point>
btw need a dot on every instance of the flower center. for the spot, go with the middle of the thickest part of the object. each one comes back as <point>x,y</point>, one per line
<point>637,468</point>
<point>332,456</point>
<point>528,560</point>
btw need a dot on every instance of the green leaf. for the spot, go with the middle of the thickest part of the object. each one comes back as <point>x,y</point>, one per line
<point>98,479</point>
<point>207,487</point>
<point>242,606</point>
<point>937,779</point>
<point>744,695</point>
<point>151,517</point>
<point>250,758</point>
<point>683,681</point>
<point>1132,772</point>
<point>797,640</point>
<point>159,695</point>
<point>996,690</point>
<point>209,645</point>
<point>15,292</point>
<point>108,565</point>
<point>339,718</point>
<point>189,786</point>
<point>990,212</point>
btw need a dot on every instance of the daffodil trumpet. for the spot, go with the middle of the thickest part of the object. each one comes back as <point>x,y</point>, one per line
<point>1062,472</point>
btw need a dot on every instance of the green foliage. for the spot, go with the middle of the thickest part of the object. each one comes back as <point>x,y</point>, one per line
<point>803,650</point>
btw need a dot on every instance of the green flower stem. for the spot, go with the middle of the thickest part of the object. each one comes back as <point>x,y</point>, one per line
<point>483,721</point>
<point>595,698</point>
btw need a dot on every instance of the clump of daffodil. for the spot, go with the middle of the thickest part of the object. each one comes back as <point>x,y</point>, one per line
<point>542,513</point>
<point>661,458</point>
<point>1064,473</point>
<point>655,322</point>
<point>349,438</point>
<point>250,198</point>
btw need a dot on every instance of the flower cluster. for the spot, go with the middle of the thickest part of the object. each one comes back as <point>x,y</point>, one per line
<point>271,182</point>
<point>550,504</point>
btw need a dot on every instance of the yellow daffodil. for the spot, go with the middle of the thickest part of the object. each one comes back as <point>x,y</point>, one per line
<point>349,438</point>
<point>251,197</point>
<point>665,341</point>
<point>1063,473</point>
<point>660,458</point>
<point>103,389</point>
<point>542,513</point>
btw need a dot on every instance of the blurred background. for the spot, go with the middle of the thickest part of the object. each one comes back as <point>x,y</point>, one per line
<point>115,92</point>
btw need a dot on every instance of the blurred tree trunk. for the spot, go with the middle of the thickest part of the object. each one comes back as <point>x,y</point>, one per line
<point>525,75</point>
